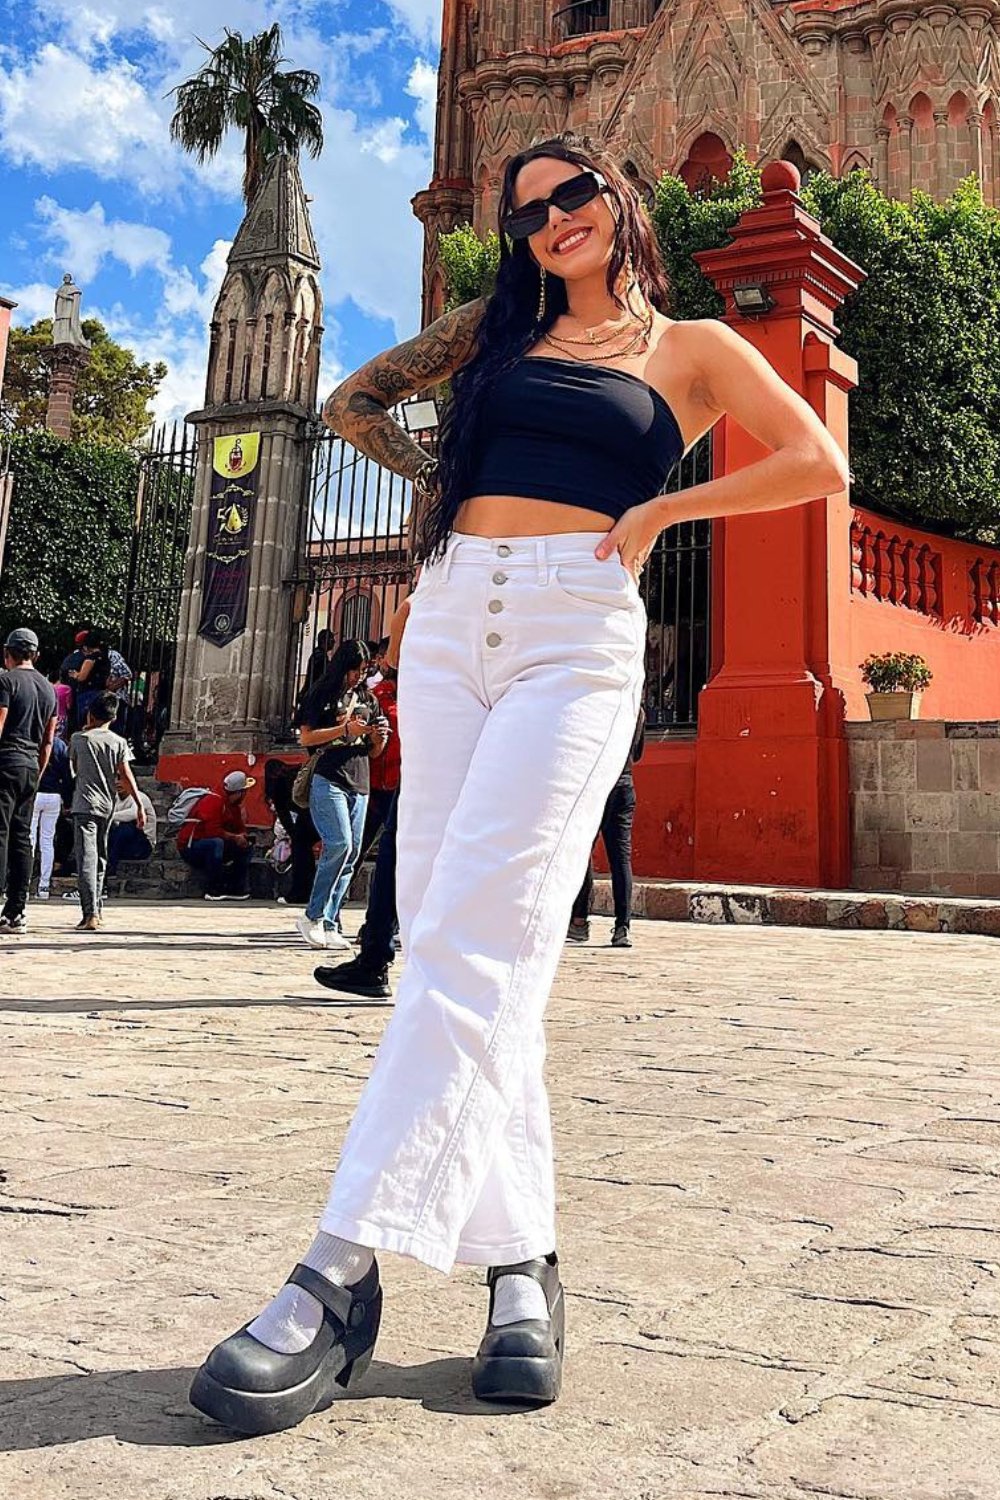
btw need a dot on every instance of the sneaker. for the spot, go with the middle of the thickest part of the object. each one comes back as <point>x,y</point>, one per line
<point>579,931</point>
<point>13,925</point>
<point>71,895</point>
<point>620,937</point>
<point>336,941</point>
<point>42,895</point>
<point>314,933</point>
<point>88,924</point>
<point>356,978</point>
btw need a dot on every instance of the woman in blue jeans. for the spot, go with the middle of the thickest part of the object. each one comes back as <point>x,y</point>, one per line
<point>341,720</point>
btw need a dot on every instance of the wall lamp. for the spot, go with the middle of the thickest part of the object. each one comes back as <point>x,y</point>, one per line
<point>753,299</point>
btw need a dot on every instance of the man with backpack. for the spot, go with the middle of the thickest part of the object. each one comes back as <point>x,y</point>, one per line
<point>213,836</point>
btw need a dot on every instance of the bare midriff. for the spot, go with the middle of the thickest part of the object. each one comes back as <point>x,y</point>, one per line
<point>513,515</point>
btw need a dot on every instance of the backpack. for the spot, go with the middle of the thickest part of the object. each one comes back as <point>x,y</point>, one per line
<point>180,810</point>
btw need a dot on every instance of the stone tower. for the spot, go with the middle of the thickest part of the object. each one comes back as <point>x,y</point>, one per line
<point>263,371</point>
<point>907,90</point>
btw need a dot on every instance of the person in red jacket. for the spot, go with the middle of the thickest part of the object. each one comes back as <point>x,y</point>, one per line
<point>213,840</point>
<point>386,769</point>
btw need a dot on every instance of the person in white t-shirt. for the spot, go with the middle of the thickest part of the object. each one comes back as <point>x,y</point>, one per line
<point>125,840</point>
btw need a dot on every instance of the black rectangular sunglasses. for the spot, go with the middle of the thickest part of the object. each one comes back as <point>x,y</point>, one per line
<point>569,195</point>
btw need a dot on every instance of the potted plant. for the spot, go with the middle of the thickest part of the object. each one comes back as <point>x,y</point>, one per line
<point>896,680</point>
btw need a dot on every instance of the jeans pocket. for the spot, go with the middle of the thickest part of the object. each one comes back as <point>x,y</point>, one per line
<point>597,586</point>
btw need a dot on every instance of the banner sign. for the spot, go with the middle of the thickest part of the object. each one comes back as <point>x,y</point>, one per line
<point>227,555</point>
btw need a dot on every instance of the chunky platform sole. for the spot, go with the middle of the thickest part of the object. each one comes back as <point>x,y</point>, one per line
<point>254,1413</point>
<point>523,1380</point>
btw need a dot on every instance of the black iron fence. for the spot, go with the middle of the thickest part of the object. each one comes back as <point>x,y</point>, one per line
<point>163,505</point>
<point>354,570</point>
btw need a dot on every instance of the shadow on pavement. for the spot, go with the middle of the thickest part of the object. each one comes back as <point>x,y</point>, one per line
<point>101,1004</point>
<point>149,1407</point>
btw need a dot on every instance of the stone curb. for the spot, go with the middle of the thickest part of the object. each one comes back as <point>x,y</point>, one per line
<point>766,906</point>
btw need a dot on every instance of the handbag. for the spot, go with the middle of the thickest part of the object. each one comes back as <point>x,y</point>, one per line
<point>302,785</point>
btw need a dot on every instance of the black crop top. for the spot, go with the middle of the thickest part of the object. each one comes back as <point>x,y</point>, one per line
<point>579,434</point>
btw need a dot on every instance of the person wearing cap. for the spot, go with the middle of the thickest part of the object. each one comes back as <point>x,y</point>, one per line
<point>27,729</point>
<point>214,839</point>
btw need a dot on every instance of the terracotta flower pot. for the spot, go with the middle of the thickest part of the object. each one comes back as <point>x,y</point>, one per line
<point>882,706</point>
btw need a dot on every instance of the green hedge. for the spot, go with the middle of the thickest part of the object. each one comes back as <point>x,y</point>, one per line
<point>68,537</point>
<point>924,328</point>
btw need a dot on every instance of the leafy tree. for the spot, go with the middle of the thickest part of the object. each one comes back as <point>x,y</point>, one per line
<point>68,537</point>
<point>924,328</point>
<point>112,398</point>
<point>242,86</point>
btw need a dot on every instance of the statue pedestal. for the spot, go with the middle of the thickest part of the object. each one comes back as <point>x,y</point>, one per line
<point>65,364</point>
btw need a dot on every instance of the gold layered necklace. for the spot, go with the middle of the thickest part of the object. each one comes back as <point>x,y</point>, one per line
<point>634,329</point>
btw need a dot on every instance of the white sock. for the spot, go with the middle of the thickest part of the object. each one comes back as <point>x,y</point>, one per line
<point>291,1321</point>
<point>517,1297</point>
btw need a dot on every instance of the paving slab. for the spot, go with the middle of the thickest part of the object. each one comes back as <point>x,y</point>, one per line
<point>779,1180</point>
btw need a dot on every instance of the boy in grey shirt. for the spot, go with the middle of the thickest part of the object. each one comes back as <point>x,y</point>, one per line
<point>99,759</point>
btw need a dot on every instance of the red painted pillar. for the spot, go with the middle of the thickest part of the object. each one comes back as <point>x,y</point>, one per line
<point>772,789</point>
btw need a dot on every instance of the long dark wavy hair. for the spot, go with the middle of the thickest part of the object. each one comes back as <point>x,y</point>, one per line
<point>510,323</point>
<point>348,656</point>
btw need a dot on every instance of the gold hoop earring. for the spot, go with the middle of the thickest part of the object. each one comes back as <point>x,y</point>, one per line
<point>542,279</point>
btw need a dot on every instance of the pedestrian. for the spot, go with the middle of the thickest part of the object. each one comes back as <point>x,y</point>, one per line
<point>27,729</point>
<point>54,796</point>
<point>279,780</point>
<point>69,670</point>
<point>214,840</point>
<point>101,770</point>
<point>64,703</point>
<point>126,840</point>
<point>340,724</point>
<point>573,396</point>
<point>385,767</point>
<point>368,973</point>
<point>319,656</point>
<point>616,831</point>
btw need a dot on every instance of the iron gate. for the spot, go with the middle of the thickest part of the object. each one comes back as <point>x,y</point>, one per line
<point>354,570</point>
<point>163,505</point>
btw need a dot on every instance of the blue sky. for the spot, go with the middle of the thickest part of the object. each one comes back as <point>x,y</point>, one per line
<point>90,182</point>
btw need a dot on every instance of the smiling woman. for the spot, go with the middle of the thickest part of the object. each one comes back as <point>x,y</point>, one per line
<point>574,394</point>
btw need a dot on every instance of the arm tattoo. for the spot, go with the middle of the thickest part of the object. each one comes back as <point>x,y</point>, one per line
<point>358,409</point>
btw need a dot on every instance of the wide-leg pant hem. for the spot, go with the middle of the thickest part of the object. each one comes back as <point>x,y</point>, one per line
<point>431,1252</point>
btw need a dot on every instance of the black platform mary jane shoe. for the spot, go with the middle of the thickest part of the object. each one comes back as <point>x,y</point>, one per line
<point>247,1386</point>
<point>521,1363</point>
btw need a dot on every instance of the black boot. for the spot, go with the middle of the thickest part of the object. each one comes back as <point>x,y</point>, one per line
<point>356,978</point>
<point>522,1362</point>
<point>247,1386</point>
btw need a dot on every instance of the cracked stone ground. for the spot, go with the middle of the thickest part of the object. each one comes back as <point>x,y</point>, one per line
<point>779,1168</point>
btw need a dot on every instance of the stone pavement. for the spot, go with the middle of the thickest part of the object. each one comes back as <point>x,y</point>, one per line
<point>779,1166</point>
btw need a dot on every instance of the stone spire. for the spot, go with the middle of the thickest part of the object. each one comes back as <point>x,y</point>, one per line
<point>267,325</point>
<point>263,372</point>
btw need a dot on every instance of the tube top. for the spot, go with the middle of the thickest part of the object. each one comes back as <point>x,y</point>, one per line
<point>578,434</point>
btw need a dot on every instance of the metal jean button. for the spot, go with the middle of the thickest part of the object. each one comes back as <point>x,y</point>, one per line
<point>499,578</point>
<point>495,606</point>
<point>493,639</point>
<point>503,550</point>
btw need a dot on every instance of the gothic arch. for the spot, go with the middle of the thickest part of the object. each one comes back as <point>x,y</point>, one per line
<point>706,157</point>
<point>807,164</point>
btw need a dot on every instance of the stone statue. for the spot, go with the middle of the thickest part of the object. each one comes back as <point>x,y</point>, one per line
<point>66,327</point>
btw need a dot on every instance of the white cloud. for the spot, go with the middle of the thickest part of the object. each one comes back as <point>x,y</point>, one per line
<point>422,86</point>
<point>422,18</point>
<point>83,239</point>
<point>370,243</point>
<point>36,299</point>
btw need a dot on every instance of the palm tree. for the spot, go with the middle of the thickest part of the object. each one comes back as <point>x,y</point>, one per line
<point>241,85</point>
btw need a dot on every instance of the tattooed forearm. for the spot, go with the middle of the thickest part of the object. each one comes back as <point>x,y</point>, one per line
<point>358,409</point>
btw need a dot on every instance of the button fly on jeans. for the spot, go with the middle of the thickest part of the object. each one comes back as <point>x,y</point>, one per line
<point>503,550</point>
<point>493,639</point>
<point>499,578</point>
<point>495,606</point>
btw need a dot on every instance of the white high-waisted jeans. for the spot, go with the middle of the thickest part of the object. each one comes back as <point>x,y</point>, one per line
<point>519,687</point>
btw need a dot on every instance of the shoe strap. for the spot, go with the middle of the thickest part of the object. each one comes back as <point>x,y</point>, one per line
<point>541,1269</point>
<point>336,1299</point>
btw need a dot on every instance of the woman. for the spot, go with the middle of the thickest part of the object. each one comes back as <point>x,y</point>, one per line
<point>340,721</point>
<point>574,395</point>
